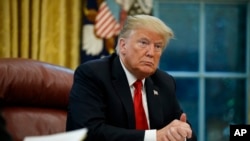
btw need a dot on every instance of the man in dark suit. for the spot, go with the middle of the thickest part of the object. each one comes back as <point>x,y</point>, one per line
<point>102,97</point>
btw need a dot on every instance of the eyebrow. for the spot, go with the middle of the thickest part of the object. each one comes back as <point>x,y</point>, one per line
<point>144,38</point>
<point>157,42</point>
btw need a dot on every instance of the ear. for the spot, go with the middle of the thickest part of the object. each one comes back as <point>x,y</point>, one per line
<point>122,45</point>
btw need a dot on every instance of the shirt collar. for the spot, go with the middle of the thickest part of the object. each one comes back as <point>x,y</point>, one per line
<point>131,78</point>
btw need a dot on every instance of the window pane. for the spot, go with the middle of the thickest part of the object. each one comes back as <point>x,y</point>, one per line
<point>225,37</point>
<point>225,105</point>
<point>187,94</point>
<point>182,52</point>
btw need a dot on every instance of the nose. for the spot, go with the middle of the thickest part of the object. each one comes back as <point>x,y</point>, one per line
<point>150,50</point>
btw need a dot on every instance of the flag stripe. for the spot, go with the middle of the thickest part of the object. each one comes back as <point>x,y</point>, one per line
<point>109,28</point>
<point>105,24</point>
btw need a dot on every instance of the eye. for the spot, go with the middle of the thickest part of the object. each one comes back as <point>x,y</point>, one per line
<point>143,43</point>
<point>158,47</point>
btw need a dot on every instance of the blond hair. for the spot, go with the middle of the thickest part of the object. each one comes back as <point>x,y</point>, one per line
<point>148,22</point>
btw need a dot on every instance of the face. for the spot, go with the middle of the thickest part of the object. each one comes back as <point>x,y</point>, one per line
<point>141,52</point>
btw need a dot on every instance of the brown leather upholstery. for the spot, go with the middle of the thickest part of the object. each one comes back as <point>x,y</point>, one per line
<point>33,96</point>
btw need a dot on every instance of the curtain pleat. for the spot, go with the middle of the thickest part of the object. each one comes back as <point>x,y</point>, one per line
<point>25,28</point>
<point>45,30</point>
<point>5,34</point>
<point>14,30</point>
<point>35,28</point>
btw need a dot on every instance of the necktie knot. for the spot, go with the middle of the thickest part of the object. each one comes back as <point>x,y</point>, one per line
<point>138,84</point>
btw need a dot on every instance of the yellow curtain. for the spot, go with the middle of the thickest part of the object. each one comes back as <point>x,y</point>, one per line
<point>45,30</point>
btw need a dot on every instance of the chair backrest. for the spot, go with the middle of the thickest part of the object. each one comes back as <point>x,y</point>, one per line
<point>33,96</point>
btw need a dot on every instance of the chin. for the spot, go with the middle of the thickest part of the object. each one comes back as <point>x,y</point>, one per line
<point>147,73</point>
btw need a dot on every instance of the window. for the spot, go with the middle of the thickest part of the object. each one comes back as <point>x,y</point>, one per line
<point>209,59</point>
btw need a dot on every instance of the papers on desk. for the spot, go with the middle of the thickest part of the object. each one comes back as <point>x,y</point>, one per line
<point>76,135</point>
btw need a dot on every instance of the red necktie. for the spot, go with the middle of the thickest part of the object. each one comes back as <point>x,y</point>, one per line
<point>140,116</point>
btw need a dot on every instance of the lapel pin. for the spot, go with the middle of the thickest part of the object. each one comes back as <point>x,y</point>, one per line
<point>156,92</point>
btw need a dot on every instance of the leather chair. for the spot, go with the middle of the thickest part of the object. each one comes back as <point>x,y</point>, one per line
<point>33,97</point>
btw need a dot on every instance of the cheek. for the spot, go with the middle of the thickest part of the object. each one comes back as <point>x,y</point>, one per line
<point>157,59</point>
<point>134,52</point>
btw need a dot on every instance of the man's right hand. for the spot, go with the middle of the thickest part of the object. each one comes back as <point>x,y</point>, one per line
<point>177,130</point>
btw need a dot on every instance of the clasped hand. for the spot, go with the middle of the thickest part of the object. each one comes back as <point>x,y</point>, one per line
<point>177,130</point>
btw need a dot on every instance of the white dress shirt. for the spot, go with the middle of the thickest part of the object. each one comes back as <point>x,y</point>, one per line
<point>150,135</point>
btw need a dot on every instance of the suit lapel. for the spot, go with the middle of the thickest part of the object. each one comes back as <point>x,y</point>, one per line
<point>122,89</point>
<point>154,104</point>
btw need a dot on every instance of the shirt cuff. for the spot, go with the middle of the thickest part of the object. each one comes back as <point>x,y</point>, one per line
<point>150,135</point>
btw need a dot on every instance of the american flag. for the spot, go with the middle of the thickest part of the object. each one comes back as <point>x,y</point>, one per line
<point>106,25</point>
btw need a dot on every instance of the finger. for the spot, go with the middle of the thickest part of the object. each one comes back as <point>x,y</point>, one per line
<point>189,134</point>
<point>183,117</point>
<point>185,132</point>
<point>174,132</point>
<point>170,136</point>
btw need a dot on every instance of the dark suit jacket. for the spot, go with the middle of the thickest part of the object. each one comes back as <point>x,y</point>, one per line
<point>101,101</point>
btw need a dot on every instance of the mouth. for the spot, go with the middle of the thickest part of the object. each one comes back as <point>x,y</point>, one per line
<point>148,63</point>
